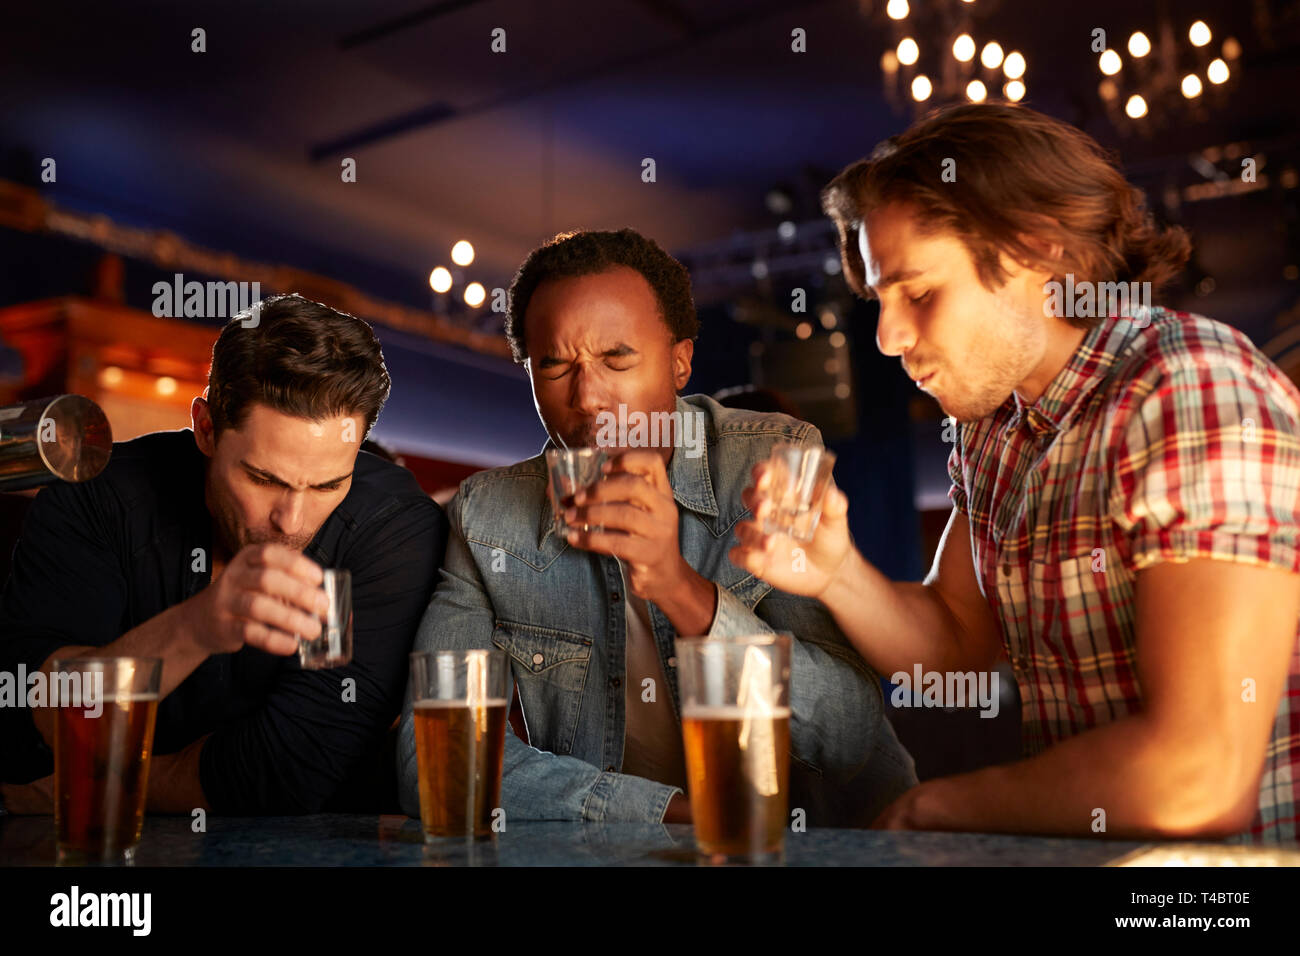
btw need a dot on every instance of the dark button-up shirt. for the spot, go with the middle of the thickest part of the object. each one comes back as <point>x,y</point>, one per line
<point>98,559</point>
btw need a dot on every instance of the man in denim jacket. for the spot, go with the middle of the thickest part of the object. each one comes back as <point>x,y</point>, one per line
<point>589,622</point>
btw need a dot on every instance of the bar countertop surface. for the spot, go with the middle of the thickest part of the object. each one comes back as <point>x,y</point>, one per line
<point>327,840</point>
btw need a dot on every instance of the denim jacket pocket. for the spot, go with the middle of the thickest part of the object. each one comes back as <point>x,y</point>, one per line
<point>550,669</point>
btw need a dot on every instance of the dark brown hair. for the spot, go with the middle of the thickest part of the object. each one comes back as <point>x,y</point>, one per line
<point>586,253</point>
<point>1016,174</point>
<point>300,358</point>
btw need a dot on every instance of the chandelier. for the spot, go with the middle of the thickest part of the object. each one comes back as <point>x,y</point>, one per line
<point>939,56</point>
<point>1182,77</point>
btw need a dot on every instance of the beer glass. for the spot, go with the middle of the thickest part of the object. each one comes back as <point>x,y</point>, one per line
<point>736,734</point>
<point>800,475</point>
<point>334,646</point>
<point>460,700</point>
<point>571,470</point>
<point>103,738</point>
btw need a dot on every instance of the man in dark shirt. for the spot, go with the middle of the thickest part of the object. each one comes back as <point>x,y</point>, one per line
<point>204,547</point>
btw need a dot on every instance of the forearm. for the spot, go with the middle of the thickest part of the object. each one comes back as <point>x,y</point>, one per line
<point>895,625</point>
<point>173,786</point>
<point>1146,784</point>
<point>690,606</point>
<point>174,781</point>
<point>168,635</point>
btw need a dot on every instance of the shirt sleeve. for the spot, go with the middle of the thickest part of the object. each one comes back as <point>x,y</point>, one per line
<point>315,727</point>
<point>536,784</point>
<point>66,587</point>
<point>1208,466</point>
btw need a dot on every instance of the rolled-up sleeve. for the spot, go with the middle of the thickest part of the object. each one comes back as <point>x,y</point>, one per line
<point>1207,466</point>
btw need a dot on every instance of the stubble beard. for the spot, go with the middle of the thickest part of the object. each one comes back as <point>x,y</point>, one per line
<point>1002,364</point>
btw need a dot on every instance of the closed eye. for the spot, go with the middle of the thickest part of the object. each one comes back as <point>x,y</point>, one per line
<point>619,359</point>
<point>259,480</point>
<point>917,300</point>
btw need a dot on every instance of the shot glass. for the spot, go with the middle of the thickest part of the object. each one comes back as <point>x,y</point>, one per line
<point>800,475</point>
<point>572,470</point>
<point>103,740</point>
<point>334,646</point>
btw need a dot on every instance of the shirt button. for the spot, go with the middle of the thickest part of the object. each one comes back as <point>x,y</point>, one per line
<point>1006,569</point>
<point>537,659</point>
<point>672,662</point>
<point>610,768</point>
<point>613,596</point>
<point>616,681</point>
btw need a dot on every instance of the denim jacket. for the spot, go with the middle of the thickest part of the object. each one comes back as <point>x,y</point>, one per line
<point>560,614</point>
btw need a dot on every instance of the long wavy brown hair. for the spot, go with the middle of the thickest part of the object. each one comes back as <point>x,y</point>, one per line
<point>1016,175</point>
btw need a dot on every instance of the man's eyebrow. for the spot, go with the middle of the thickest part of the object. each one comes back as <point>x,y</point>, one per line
<point>262,473</point>
<point>896,277</point>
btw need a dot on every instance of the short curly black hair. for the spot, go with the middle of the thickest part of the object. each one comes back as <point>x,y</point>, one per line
<point>585,253</point>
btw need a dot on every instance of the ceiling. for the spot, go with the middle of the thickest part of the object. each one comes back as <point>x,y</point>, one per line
<point>240,147</point>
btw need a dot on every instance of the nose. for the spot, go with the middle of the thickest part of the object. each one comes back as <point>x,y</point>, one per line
<point>895,334</point>
<point>589,396</point>
<point>287,514</point>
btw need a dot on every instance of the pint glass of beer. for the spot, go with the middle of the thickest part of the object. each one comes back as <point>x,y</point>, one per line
<point>736,734</point>
<point>460,699</point>
<point>103,738</point>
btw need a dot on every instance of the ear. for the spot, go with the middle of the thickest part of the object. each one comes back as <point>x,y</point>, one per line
<point>201,419</point>
<point>1052,251</point>
<point>683,352</point>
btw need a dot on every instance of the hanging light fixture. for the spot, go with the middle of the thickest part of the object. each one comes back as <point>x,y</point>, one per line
<point>1180,75</point>
<point>940,54</point>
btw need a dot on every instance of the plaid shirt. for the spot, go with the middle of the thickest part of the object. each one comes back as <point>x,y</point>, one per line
<point>1166,437</point>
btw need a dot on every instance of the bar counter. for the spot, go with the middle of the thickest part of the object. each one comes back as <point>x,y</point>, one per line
<point>329,840</point>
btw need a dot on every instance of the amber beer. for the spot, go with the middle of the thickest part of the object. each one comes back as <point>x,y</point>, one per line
<point>459,700</point>
<point>738,770</point>
<point>735,696</point>
<point>459,750</point>
<point>101,761</point>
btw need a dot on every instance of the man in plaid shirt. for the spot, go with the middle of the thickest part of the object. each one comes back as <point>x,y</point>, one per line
<point>1126,494</point>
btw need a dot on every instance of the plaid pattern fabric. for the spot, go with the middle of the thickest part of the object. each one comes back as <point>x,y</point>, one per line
<point>1166,437</point>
